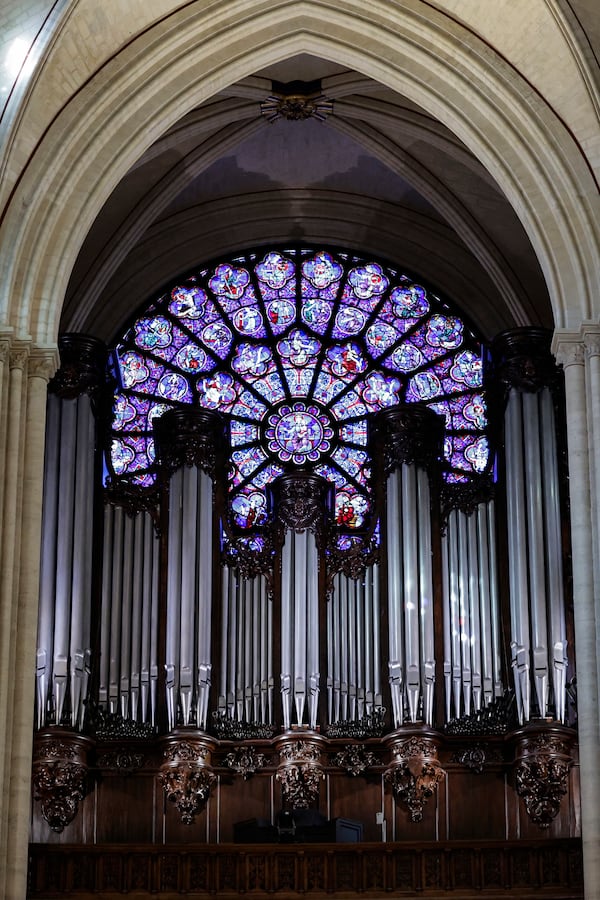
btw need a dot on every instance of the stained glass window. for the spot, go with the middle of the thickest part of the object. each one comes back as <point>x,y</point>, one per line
<point>296,348</point>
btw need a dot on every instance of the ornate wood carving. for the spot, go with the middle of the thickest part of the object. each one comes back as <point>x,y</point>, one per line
<point>300,771</point>
<point>301,501</point>
<point>476,757</point>
<point>355,759</point>
<point>133,499</point>
<point>407,434</point>
<point>60,768</point>
<point>415,773</point>
<point>522,359</point>
<point>82,366</point>
<point>187,774</point>
<point>542,764</point>
<point>245,761</point>
<point>190,437</point>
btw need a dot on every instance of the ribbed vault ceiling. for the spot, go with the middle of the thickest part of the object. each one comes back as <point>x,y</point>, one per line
<point>379,175</point>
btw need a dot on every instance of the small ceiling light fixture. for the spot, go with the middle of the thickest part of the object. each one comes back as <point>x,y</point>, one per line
<point>296,101</point>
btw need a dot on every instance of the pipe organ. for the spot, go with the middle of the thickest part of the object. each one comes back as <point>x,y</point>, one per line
<point>454,601</point>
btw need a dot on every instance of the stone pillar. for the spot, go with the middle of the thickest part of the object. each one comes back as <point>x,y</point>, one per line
<point>570,353</point>
<point>25,394</point>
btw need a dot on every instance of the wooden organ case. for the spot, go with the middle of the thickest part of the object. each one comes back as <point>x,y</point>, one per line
<point>294,717</point>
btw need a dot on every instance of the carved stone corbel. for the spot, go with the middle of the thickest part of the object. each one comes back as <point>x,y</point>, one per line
<point>414,773</point>
<point>187,775</point>
<point>60,769</point>
<point>542,763</point>
<point>300,771</point>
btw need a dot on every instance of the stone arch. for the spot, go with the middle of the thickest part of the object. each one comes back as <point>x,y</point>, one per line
<point>151,82</point>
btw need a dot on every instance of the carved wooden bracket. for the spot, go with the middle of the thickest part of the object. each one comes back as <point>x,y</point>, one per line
<point>414,773</point>
<point>355,759</point>
<point>190,437</point>
<point>187,774</point>
<point>542,763</point>
<point>245,761</point>
<point>60,768</point>
<point>300,771</point>
<point>407,434</point>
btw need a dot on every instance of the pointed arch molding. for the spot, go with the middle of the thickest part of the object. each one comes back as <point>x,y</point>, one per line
<point>198,50</point>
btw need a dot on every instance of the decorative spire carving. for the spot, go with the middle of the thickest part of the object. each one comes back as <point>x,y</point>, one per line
<point>82,366</point>
<point>189,437</point>
<point>522,359</point>
<point>301,501</point>
<point>407,434</point>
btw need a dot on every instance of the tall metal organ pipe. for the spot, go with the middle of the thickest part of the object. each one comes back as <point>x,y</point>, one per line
<point>187,442</point>
<point>63,645</point>
<point>408,442</point>
<point>537,603</point>
<point>301,502</point>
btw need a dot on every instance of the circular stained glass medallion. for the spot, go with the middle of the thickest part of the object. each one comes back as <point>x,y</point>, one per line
<point>299,433</point>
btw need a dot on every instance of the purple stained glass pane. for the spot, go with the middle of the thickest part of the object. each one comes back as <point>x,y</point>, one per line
<point>405,358</point>
<point>275,269</point>
<point>249,509</point>
<point>380,336</point>
<point>124,413</point>
<point>218,391</point>
<point>409,302</point>
<point>146,479</point>
<point>467,452</point>
<point>153,333</point>
<point>248,320</point>
<point>267,476</point>
<point>351,509</point>
<point>270,387</point>
<point>229,282</point>
<point>334,476</point>
<point>322,270</point>
<point>423,386</point>
<point>368,281</point>
<point>248,407</point>
<point>193,359</point>
<point>252,361</point>
<point>299,433</point>
<point>316,313</point>
<point>349,322</point>
<point>218,338</point>
<point>298,380</point>
<point>173,386</point>
<point>354,462</point>
<point>379,391</point>
<point>346,361</point>
<point>188,303</point>
<point>445,332</point>
<point>280,314</point>
<point>467,369</point>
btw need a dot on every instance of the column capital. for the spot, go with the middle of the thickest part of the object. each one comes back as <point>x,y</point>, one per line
<point>522,358</point>
<point>43,362</point>
<point>407,434</point>
<point>591,339</point>
<point>82,365</point>
<point>568,347</point>
<point>190,437</point>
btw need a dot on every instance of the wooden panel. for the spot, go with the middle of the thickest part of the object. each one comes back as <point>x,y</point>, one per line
<point>125,809</point>
<point>475,805</point>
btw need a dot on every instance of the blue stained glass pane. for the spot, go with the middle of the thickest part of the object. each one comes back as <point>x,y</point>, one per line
<point>445,332</point>
<point>280,314</point>
<point>366,305</point>
<point>299,433</point>
<point>249,508</point>
<point>173,386</point>
<point>275,270</point>
<point>193,359</point>
<point>298,380</point>
<point>322,270</point>
<point>379,391</point>
<point>188,303</point>
<point>379,337</point>
<point>153,333</point>
<point>266,476</point>
<point>248,407</point>
<point>355,433</point>
<point>349,406</point>
<point>270,387</point>
<point>134,370</point>
<point>409,302</point>
<point>327,387</point>
<point>351,508</point>
<point>346,361</point>
<point>405,358</point>
<point>334,476</point>
<point>299,348</point>
<point>124,414</point>
<point>368,281</point>
<point>349,321</point>
<point>353,461</point>
<point>248,320</point>
<point>218,391</point>
<point>423,386</point>
<point>145,480</point>
<point>467,369</point>
<point>128,454</point>
<point>245,462</point>
<point>197,324</point>
<point>218,338</point>
<point>316,313</point>
<point>229,282</point>
<point>242,433</point>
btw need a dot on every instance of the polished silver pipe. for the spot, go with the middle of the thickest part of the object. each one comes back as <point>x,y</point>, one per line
<point>411,590</point>
<point>204,557</point>
<point>426,596</point>
<point>474,612</point>
<point>116,605</point>
<point>394,532</point>
<point>173,627</point>
<point>126,611</point>
<point>287,627</point>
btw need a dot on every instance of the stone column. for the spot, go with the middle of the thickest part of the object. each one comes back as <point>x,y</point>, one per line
<point>570,353</point>
<point>30,369</point>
